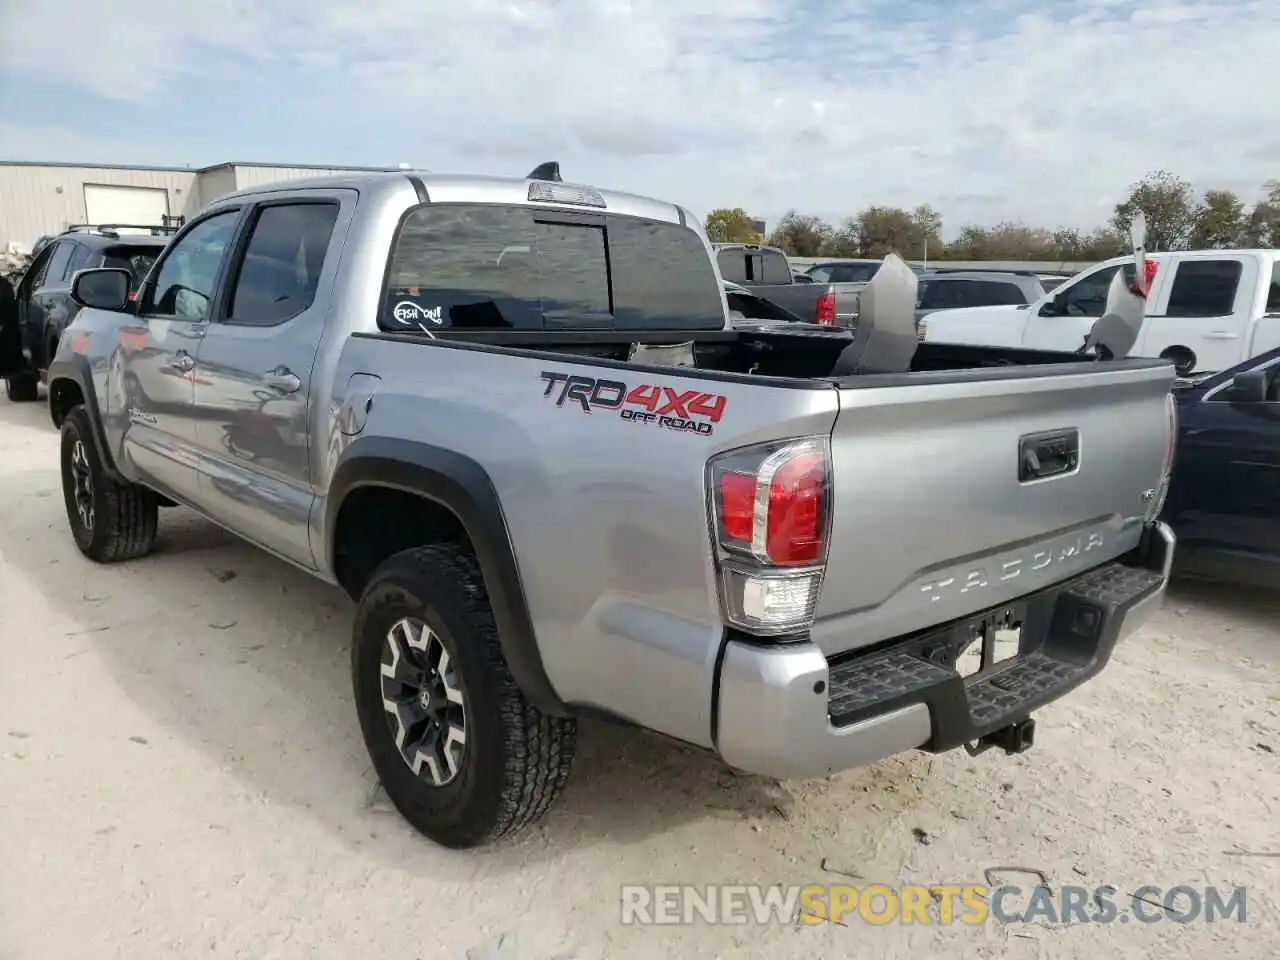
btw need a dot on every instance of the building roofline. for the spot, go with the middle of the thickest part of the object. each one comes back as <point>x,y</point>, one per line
<point>62,164</point>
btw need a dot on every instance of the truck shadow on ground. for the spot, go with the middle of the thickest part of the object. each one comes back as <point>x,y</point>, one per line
<point>247,660</point>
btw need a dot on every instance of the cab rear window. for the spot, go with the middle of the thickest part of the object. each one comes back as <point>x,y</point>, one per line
<point>496,267</point>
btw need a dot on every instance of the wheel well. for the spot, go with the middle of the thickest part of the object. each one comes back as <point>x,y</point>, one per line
<point>1184,358</point>
<point>376,522</point>
<point>64,396</point>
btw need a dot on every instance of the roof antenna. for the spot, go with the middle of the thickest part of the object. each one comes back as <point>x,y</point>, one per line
<point>549,171</point>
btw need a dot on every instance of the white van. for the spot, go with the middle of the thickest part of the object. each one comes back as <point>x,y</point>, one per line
<point>1207,310</point>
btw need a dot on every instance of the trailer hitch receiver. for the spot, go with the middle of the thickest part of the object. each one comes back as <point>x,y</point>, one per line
<point>1017,737</point>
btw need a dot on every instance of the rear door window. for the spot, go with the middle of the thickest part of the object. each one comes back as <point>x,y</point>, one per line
<point>79,260</point>
<point>280,272</point>
<point>992,293</point>
<point>1204,288</point>
<point>58,263</point>
<point>492,267</point>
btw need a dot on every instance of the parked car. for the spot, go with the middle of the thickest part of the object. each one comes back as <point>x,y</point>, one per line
<point>565,484</point>
<point>1224,498</point>
<point>946,291</point>
<point>843,271</point>
<point>1207,310</point>
<point>767,273</point>
<point>43,307</point>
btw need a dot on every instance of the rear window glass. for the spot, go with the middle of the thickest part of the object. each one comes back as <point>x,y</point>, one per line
<point>492,267</point>
<point>854,272</point>
<point>738,265</point>
<point>137,260</point>
<point>1204,288</point>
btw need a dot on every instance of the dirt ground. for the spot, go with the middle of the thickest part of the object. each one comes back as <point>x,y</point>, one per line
<point>181,775</point>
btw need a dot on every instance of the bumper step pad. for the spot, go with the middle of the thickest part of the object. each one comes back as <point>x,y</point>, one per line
<point>1067,634</point>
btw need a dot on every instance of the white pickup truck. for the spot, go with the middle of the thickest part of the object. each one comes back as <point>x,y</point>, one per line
<point>1207,310</point>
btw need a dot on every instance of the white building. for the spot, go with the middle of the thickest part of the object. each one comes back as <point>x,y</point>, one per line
<point>37,199</point>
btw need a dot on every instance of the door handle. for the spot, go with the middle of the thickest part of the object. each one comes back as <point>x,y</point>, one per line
<point>1222,335</point>
<point>182,361</point>
<point>282,379</point>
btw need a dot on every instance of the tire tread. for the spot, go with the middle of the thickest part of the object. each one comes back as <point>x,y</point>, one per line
<point>537,749</point>
<point>126,515</point>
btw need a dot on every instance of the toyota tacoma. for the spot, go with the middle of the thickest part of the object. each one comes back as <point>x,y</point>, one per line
<point>511,419</point>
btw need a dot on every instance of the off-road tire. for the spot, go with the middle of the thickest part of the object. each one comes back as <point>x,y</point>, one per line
<point>516,759</point>
<point>125,515</point>
<point>22,387</point>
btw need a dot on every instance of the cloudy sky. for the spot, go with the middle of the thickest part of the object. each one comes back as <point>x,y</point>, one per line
<point>1041,110</point>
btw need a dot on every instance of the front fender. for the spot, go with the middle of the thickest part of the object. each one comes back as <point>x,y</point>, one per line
<point>71,383</point>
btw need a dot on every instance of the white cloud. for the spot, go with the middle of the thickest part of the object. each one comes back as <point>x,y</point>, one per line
<point>998,109</point>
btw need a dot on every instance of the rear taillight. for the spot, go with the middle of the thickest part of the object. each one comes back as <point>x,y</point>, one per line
<point>1143,287</point>
<point>133,295</point>
<point>826,309</point>
<point>1170,452</point>
<point>770,512</point>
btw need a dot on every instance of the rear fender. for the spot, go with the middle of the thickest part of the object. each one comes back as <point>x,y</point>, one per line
<point>460,484</point>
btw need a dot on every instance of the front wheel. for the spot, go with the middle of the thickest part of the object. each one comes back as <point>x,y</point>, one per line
<point>22,387</point>
<point>461,753</point>
<point>110,521</point>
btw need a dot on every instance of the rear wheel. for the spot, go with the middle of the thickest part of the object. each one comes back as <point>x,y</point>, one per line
<point>22,387</point>
<point>461,753</point>
<point>110,521</point>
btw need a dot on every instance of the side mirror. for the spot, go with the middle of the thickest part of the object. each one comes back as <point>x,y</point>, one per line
<point>801,278</point>
<point>103,289</point>
<point>1248,387</point>
<point>1053,307</point>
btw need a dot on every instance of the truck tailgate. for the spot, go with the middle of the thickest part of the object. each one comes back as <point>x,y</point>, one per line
<point>937,511</point>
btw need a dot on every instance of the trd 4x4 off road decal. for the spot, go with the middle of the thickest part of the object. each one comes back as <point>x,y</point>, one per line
<point>688,411</point>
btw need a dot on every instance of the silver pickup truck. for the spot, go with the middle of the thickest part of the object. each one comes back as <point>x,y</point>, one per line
<point>510,418</point>
<point>766,272</point>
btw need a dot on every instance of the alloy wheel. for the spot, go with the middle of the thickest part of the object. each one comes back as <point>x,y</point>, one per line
<point>423,700</point>
<point>82,484</point>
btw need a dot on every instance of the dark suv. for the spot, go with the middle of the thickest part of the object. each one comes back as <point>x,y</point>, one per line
<point>32,323</point>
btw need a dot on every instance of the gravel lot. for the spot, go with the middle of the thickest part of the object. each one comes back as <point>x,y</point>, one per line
<point>181,775</point>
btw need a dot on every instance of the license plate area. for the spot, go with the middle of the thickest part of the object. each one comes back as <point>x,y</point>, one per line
<point>992,644</point>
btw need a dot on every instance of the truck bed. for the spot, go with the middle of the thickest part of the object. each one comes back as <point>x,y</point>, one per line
<point>932,519</point>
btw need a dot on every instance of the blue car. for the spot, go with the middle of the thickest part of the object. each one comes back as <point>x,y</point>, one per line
<point>1224,498</point>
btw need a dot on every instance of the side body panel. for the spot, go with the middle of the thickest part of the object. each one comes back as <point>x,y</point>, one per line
<point>607,516</point>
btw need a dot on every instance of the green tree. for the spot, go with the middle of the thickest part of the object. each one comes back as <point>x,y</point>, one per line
<point>844,241</point>
<point>1170,206</point>
<point>883,230</point>
<point>800,235</point>
<point>1262,226</point>
<point>1103,244</point>
<point>1220,221</point>
<point>731,226</point>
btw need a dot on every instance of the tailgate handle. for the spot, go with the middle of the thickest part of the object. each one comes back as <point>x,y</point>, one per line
<point>1042,455</point>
